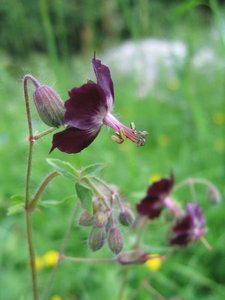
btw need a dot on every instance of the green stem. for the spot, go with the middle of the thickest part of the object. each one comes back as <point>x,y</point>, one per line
<point>61,253</point>
<point>142,226</point>
<point>40,135</point>
<point>41,188</point>
<point>32,255</point>
<point>123,283</point>
<point>88,259</point>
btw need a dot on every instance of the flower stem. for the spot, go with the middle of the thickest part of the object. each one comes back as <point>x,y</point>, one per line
<point>190,181</point>
<point>41,188</point>
<point>88,259</point>
<point>142,225</point>
<point>61,253</point>
<point>27,185</point>
<point>40,135</point>
<point>32,255</point>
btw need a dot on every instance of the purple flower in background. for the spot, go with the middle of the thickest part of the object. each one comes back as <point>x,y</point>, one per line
<point>87,109</point>
<point>153,203</point>
<point>188,228</point>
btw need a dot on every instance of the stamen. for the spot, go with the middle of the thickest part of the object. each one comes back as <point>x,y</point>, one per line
<point>143,133</point>
<point>132,126</point>
<point>122,134</point>
<point>117,139</point>
<point>140,141</point>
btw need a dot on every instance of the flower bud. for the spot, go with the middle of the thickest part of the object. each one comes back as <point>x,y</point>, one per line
<point>126,217</point>
<point>96,238</point>
<point>85,219</point>
<point>132,257</point>
<point>100,219</point>
<point>49,106</point>
<point>115,240</point>
<point>214,195</point>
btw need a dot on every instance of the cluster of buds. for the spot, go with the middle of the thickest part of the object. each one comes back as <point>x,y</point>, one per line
<point>105,221</point>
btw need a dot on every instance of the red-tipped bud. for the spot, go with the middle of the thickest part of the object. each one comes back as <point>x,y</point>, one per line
<point>86,219</point>
<point>96,239</point>
<point>126,217</point>
<point>115,240</point>
<point>100,219</point>
<point>49,106</point>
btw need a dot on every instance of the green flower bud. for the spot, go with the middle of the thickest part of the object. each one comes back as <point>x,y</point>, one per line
<point>100,219</point>
<point>126,217</point>
<point>115,240</point>
<point>49,106</point>
<point>85,219</point>
<point>96,238</point>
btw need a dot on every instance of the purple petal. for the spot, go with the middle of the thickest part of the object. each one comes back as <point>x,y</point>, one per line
<point>73,140</point>
<point>86,107</point>
<point>104,79</point>
<point>195,213</point>
<point>190,227</point>
<point>162,187</point>
<point>150,207</point>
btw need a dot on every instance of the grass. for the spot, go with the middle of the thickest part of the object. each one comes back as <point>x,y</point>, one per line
<point>185,135</point>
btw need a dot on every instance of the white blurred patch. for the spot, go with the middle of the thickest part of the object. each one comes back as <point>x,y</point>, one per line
<point>146,61</point>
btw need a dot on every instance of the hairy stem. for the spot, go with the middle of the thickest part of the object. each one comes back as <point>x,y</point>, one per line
<point>27,186</point>
<point>88,260</point>
<point>41,188</point>
<point>142,225</point>
<point>40,135</point>
<point>32,255</point>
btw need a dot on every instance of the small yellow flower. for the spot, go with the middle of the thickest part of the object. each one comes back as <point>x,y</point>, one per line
<point>154,177</point>
<point>154,262</point>
<point>218,118</point>
<point>51,258</point>
<point>163,140</point>
<point>39,263</point>
<point>56,297</point>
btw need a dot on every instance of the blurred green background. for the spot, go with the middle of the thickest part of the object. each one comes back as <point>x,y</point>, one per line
<point>183,111</point>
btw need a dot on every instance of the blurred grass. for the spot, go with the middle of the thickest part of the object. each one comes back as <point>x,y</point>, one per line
<point>183,136</point>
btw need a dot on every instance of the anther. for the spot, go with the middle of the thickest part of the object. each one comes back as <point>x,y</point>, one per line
<point>117,139</point>
<point>140,141</point>
<point>132,126</point>
<point>143,133</point>
<point>122,134</point>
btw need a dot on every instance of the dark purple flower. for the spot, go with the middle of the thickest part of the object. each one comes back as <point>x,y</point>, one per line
<point>190,227</point>
<point>87,109</point>
<point>153,203</point>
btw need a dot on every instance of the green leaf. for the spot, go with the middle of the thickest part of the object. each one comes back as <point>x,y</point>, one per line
<point>15,209</point>
<point>17,199</point>
<point>92,169</point>
<point>85,196</point>
<point>63,167</point>
<point>55,203</point>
